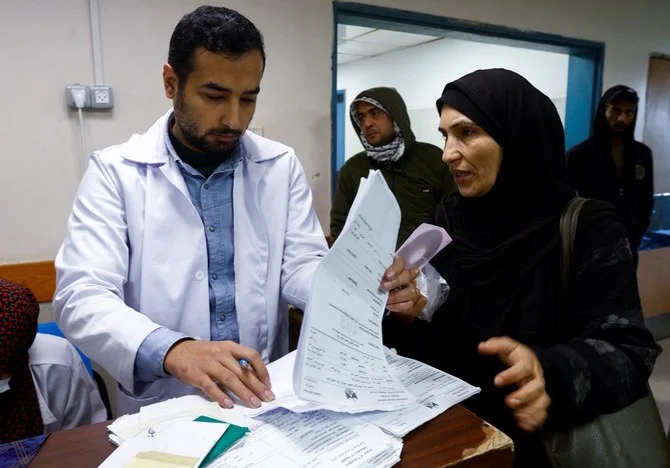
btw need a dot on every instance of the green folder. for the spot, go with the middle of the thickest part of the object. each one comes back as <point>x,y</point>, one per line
<point>227,440</point>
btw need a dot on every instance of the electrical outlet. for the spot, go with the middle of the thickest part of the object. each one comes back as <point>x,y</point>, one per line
<point>101,97</point>
<point>74,89</point>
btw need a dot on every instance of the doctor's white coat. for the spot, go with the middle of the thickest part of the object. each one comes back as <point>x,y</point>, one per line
<point>135,255</point>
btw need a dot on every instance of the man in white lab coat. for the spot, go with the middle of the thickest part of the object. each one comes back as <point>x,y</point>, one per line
<point>186,243</point>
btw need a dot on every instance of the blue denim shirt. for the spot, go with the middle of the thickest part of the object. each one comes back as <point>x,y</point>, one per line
<point>213,198</point>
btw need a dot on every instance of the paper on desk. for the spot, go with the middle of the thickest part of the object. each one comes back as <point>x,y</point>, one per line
<point>183,408</point>
<point>436,391</point>
<point>230,438</point>
<point>182,443</point>
<point>281,376</point>
<point>315,439</point>
<point>340,362</point>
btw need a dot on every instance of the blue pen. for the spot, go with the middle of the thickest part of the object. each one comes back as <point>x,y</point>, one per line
<point>244,364</point>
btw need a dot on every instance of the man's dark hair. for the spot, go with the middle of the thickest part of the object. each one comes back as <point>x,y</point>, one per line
<point>216,29</point>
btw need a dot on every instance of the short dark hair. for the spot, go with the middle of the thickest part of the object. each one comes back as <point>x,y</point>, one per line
<point>216,29</point>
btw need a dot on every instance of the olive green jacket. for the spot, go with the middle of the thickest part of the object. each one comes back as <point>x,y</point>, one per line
<point>419,179</point>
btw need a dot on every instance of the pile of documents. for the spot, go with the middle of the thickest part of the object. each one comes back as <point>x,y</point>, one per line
<point>189,431</point>
<point>432,390</point>
<point>341,362</point>
<point>167,435</point>
<point>342,399</point>
<point>192,431</point>
<point>282,438</point>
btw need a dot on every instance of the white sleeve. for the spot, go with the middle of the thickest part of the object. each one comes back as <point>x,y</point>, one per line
<point>84,405</point>
<point>67,394</point>
<point>305,244</point>
<point>92,268</point>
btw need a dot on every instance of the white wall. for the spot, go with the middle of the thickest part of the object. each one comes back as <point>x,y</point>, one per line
<point>420,73</point>
<point>46,46</point>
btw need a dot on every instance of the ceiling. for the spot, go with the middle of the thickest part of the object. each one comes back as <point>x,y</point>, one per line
<point>358,43</point>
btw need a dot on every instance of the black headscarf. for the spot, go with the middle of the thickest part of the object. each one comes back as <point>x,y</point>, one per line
<point>507,232</point>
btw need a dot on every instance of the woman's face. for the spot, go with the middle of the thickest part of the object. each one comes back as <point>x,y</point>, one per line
<point>473,157</point>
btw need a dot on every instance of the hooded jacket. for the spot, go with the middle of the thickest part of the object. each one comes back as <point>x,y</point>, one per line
<point>593,173</point>
<point>418,179</point>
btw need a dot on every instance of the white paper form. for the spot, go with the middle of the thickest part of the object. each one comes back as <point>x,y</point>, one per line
<point>281,372</point>
<point>316,439</point>
<point>340,361</point>
<point>188,439</point>
<point>436,391</point>
<point>187,408</point>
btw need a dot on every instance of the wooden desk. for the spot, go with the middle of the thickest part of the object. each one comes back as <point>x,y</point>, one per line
<point>456,438</point>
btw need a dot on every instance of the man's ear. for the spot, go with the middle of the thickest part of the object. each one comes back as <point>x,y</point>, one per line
<point>170,81</point>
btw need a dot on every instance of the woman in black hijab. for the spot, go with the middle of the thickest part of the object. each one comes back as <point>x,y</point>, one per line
<point>544,358</point>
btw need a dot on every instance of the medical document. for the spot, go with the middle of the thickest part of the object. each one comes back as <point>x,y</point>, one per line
<point>180,443</point>
<point>318,439</point>
<point>435,391</point>
<point>340,361</point>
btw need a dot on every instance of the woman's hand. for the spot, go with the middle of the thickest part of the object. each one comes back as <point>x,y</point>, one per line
<point>529,404</point>
<point>404,299</point>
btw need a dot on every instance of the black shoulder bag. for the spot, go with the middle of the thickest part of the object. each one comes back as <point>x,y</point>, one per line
<point>631,437</point>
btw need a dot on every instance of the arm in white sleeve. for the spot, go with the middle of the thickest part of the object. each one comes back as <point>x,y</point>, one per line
<point>92,268</point>
<point>305,243</point>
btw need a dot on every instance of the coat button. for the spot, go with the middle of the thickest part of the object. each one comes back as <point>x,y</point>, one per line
<point>199,275</point>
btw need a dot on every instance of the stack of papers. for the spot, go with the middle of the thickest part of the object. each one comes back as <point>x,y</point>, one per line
<point>287,432</point>
<point>179,443</point>
<point>340,363</point>
<point>277,438</point>
<point>434,391</point>
<point>342,399</point>
<point>182,432</point>
<point>285,439</point>
<point>165,413</point>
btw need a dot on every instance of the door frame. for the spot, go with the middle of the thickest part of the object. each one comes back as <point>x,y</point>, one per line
<point>338,159</point>
<point>585,66</point>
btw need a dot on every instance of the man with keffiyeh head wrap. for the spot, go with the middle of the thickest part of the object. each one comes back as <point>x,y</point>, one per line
<point>412,169</point>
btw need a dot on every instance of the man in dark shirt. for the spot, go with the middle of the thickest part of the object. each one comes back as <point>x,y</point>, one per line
<point>612,166</point>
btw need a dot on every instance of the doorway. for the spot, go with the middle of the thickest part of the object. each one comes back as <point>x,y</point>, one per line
<point>656,128</point>
<point>582,62</point>
<point>340,122</point>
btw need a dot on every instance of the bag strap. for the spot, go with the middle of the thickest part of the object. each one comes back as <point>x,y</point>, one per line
<point>568,228</point>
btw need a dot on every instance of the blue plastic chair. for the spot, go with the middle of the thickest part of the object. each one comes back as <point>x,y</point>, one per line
<point>51,328</point>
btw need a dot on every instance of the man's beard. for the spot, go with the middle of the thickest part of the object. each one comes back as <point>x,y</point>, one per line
<point>191,133</point>
<point>619,127</point>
